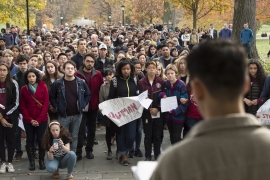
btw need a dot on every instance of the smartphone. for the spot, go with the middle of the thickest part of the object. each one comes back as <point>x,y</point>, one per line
<point>55,142</point>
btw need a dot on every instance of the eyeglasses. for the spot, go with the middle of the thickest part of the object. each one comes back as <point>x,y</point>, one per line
<point>3,70</point>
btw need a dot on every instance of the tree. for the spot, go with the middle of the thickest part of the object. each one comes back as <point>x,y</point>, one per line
<point>200,8</point>
<point>245,12</point>
<point>14,11</point>
<point>141,11</point>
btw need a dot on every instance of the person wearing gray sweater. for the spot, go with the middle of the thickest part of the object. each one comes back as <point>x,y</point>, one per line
<point>103,95</point>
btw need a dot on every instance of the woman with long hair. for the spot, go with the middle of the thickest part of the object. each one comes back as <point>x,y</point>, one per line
<point>34,104</point>
<point>51,75</point>
<point>9,100</point>
<point>47,56</point>
<point>182,69</point>
<point>16,52</point>
<point>56,141</point>
<point>257,78</point>
<point>124,84</point>
<point>152,51</point>
<point>175,118</point>
<point>174,52</point>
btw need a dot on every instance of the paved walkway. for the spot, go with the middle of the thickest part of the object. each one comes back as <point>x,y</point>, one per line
<point>97,168</point>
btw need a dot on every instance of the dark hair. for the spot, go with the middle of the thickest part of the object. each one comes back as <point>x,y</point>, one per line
<point>46,78</point>
<point>79,40</point>
<point>36,50</point>
<point>8,79</point>
<point>69,62</point>
<point>3,39</point>
<point>108,72</point>
<point>164,45</point>
<point>147,31</point>
<point>221,66</point>
<point>261,75</point>
<point>22,58</point>
<point>136,62</point>
<point>31,71</point>
<point>121,64</point>
<point>47,138</point>
<point>174,49</point>
<point>68,51</point>
<point>16,47</point>
<point>89,55</point>
<point>62,54</point>
<point>149,52</point>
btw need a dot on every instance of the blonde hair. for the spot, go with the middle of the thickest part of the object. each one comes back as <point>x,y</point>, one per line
<point>162,75</point>
<point>171,67</point>
<point>7,51</point>
<point>179,60</point>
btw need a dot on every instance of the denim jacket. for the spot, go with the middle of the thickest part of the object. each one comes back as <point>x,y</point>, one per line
<point>58,99</point>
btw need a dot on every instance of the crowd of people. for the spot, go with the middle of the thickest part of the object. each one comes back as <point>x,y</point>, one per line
<point>55,79</point>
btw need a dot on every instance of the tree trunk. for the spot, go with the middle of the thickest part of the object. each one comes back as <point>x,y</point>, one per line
<point>194,19</point>
<point>245,12</point>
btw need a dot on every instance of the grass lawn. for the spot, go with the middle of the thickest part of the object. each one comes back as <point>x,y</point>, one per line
<point>263,47</point>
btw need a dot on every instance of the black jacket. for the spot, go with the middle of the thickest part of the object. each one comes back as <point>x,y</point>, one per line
<point>12,103</point>
<point>99,65</point>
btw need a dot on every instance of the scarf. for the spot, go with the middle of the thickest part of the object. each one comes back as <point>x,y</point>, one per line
<point>33,87</point>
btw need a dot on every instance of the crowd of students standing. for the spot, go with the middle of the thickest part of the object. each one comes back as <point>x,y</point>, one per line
<point>56,79</point>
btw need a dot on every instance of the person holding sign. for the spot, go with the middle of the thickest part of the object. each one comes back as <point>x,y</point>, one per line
<point>152,122</point>
<point>56,141</point>
<point>175,118</point>
<point>124,84</point>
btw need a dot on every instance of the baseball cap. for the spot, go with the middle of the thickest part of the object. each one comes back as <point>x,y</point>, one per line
<point>102,46</point>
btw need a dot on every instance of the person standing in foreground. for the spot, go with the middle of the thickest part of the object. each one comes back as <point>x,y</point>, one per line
<point>69,95</point>
<point>228,144</point>
<point>94,79</point>
<point>9,100</point>
<point>34,105</point>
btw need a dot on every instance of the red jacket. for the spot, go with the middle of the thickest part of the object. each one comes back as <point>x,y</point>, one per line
<point>30,109</point>
<point>93,84</point>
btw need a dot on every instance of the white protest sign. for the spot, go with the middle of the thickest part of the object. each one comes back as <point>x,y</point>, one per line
<point>264,113</point>
<point>124,110</point>
<point>168,103</point>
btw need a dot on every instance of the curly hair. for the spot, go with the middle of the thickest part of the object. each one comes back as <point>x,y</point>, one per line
<point>48,138</point>
<point>261,74</point>
<point>25,76</point>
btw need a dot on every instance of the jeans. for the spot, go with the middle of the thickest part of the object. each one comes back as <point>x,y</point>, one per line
<point>126,137</point>
<point>72,124</point>
<point>17,138</point>
<point>69,161</point>
<point>91,126</point>
<point>190,122</point>
<point>81,134</point>
<point>175,131</point>
<point>138,137</point>
<point>152,129</point>
<point>7,135</point>
<point>247,47</point>
<point>99,118</point>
